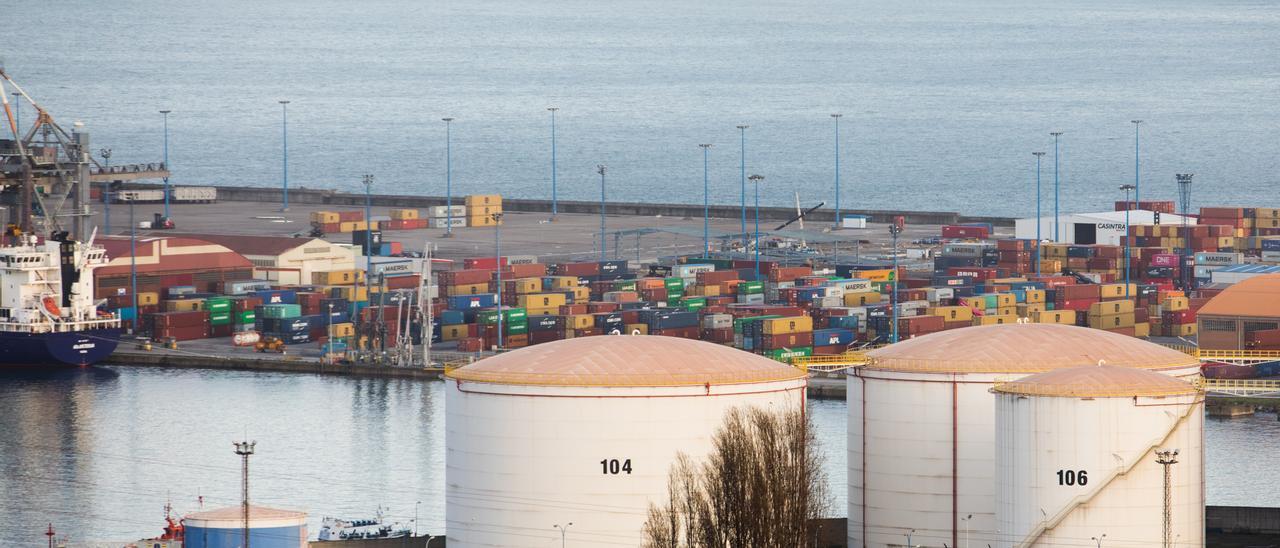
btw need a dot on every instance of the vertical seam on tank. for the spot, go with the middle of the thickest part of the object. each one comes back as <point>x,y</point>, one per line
<point>864,460</point>
<point>955,539</point>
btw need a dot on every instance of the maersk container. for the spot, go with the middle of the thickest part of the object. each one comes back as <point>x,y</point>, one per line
<point>690,270</point>
<point>244,287</point>
<point>1218,259</point>
<point>481,300</point>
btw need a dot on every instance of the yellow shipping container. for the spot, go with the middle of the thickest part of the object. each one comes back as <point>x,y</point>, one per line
<point>147,298</point>
<point>1007,280</point>
<point>579,321</point>
<point>581,294</point>
<point>634,327</point>
<point>1142,329</point>
<point>861,299</point>
<point>324,217</point>
<point>483,211</point>
<point>482,220</point>
<point>1111,307</point>
<point>466,289</point>
<point>951,313</point>
<point>539,311</point>
<point>878,275</point>
<point>977,303</point>
<point>1030,309</point>
<point>453,332</point>
<point>541,300</point>
<point>337,277</point>
<point>995,320</point>
<point>483,200</point>
<point>1065,317</point>
<point>564,282</point>
<point>342,330</point>
<point>351,226</point>
<point>1117,291</point>
<point>404,214</point>
<point>1111,321</point>
<point>183,305</point>
<point>528,285</point>
<point>1011,310</point>
<point>711,291</point>
<point>1186,330</point>
<point>786,326</point>
<point>351,293</point>
<point>1035,296</point>
<point>1176,304</point>
<point>1056,251</point>
<point>1050,266</point>
<point>1005,300</point>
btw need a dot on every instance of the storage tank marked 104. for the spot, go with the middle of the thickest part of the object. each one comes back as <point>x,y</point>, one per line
<point>224,528</point>
<point>585,431</point>
<point>1077,457</point>
<point>922,423</point>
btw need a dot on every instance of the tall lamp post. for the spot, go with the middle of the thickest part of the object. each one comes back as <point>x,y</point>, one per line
<point>448,177</point>
<point>895,228</point>
<point>1039,220</point>
<point>1167,458</point>
<point>133,265</point>
<point>284,162</point>
<point>1056,219</point>
<point>601,169</point>
<point>755,181</point>
<point>1137,184</point>
<point>966,520</point>
<point>166,161</point>
<point>1126,189</point>
<point>742,155</point>
<point>415,516</point>
<point>563,530</point>
<point>706,202</point>
<point>367,181</point>
<point>555,208</point>
<point>106,190</point>
<point>497,260</point>
<point>1098,539</point>
<point>837,117</point>
<point>1184,196</point>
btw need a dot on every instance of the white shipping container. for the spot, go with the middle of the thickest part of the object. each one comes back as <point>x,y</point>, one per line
<point>751,299</point>
<point>717,321</point>
<point>1205,271</point>
<point>441,222</point>
<point>856,285</point>
<point>140,196</point>
<point>939,293</point>
<point>828,302</point>
<point>443,211</point>
<point>1218,259</point>
<point>522,259</point>
<point>690,270</point>
<point>854,221</point>
<point>964,250</point>
<point>1271,256</point>
<point>194,194</point>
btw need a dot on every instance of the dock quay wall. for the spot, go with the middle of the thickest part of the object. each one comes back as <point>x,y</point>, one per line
<point>344,199</point>
<point>274,363</point>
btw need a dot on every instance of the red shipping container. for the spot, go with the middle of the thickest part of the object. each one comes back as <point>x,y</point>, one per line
<point>921,324</point>
<point>571,309</point>
<point>187,333</point>
<point>220,330</point>
<point>486,263</point>
<point>681,332</point>
<point>788,273</point>
<point>465,277</point>
<point>403,282</point>
<point>470,344</point>
<point>1228,212</point>
<point>721,335</point>
<point>1078,292</point>
<point>1165,259</point>
<point>525,270</point>
<point>179,319</point>
<point>1179,317</point>
<point>977,273</point>
<point>716,276</point>
<point>654,294</point>
<point>786,340</point>
<point>588,332</point>
<point>539,337</point>
<point>331,228</point>
<point>957,231</point>
<point>1075,304</point>
<point>831,350</point>
<point>577,269</point>
<point>602,307</point>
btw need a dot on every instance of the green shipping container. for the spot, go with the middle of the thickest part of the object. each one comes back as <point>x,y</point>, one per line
<point>281,311</point>
<point>786,354</point>
<point>509,316</point>
<point>248,316</point>
<point>674,284</point>
<point>739,322</point>
<point>217,304</point>
<point>219,318</point>
<point>693,303</point>
<point>751,288</point>
<point>516,328</point>
<point>624,285</point>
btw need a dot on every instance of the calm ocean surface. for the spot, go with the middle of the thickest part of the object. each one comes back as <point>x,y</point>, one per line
<point>97,452</point>
<point>943,101</point>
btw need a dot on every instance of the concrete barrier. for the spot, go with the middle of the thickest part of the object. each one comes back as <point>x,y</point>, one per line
<point>160,358</point>
<point>330,197</point>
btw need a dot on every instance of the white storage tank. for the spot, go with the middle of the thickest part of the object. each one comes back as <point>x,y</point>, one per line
<point>922,423</point>
<point>1079,455</point>
<point>224,528</point>
<point>585,431</point>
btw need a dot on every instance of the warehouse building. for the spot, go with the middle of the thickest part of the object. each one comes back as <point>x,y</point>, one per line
<point>285,260</point>
<point>1244,316</point>
<point>1105,227</point>
<point>164,261</point>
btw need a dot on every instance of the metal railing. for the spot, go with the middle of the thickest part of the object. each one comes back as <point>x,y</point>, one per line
<point>830,363</point>
<point>1241,387</point>
<point>1226,355</point>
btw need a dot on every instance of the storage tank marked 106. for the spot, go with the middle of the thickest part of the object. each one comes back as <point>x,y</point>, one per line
<point>1077,457</point>
<point>585,431</point>
<point>922,423</point>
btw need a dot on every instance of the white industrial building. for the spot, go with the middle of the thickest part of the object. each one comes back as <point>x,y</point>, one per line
<point>922,436</point>
<point>1105,227</point>
<point>586,430</point>
<point>287,260</point>
<point>1081,453</point>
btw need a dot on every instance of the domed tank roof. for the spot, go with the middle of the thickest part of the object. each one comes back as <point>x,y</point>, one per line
<point>235,514</point>
<point>1256,296</point>
<point>1023,348</point>
<point>1105,381</point>
<point>626,360</point>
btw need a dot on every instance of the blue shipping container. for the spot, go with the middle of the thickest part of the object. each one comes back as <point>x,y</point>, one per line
<point>452,317</point>
<point>842,322</point>
<point>827,337</point>
<point>277,296</point>
<point>464,302</point>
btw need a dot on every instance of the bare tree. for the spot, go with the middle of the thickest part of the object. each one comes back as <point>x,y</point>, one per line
<point>762,485</point>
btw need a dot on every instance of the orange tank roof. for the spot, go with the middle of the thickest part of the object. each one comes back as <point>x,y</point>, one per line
<point>1257,297</point>
<point>1107,381</point>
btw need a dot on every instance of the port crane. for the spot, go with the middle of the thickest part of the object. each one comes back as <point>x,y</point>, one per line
<point>46,171</point>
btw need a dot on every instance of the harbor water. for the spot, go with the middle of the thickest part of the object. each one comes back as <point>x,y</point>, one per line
<point>943,102</point>
<point>99,451</point>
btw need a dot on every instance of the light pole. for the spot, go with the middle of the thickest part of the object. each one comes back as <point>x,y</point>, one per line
<point>1184,196</point>
<point>1167,458</point>
<point>563,530</point>
<point>895,228</point>
<point>742,155</point>
<point>448,177</point>
<point>555,210</point>
<point>166,161</point>
<point>1056,219</point>
<point>966,529</point>
<point>837,116</point>
<point>497,261</point>
<point>415,507</point>
<point>284,140</point>
<point>755,180</point>
<point>1126,189</point>
<point>329,332</point>
<point>1039,220</point>
<point>1098,539</point>
<point>909,533</point>
<point>367,180</point>
<point>106,190</point>
<point>706,202</point>
<point>601,168</point>
<point>1137,184</point>
<point>133,265</point>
